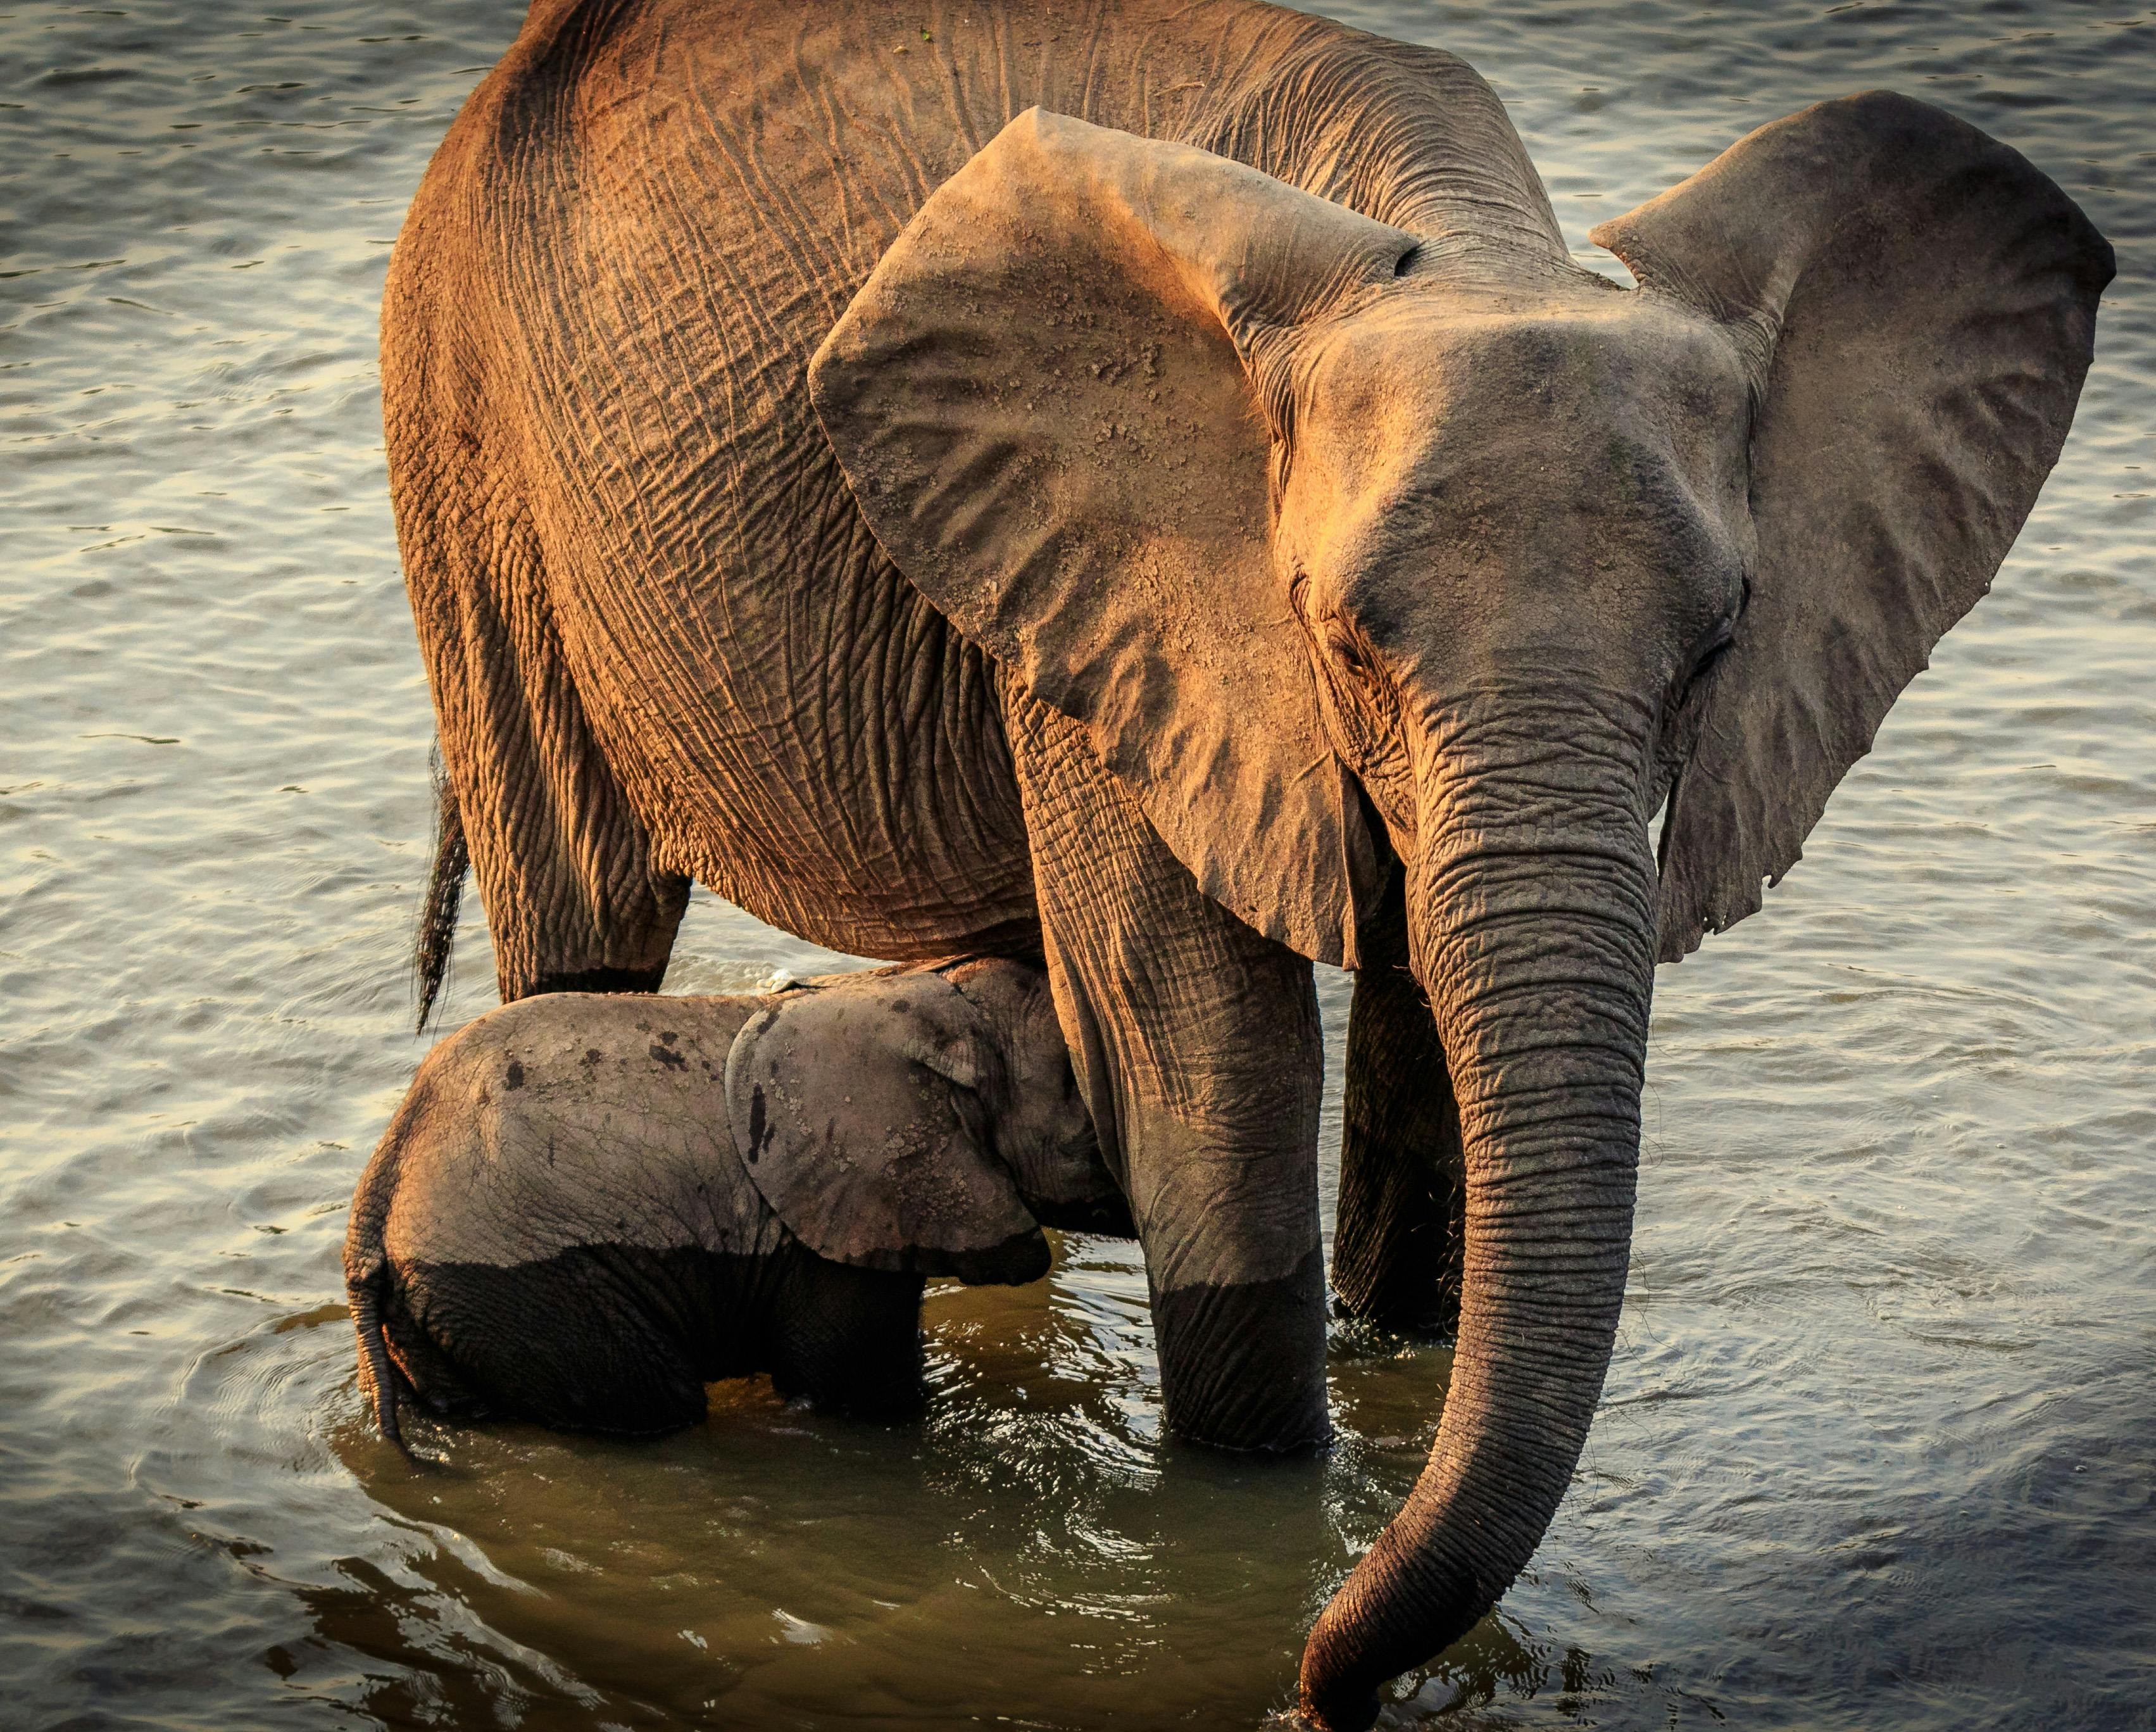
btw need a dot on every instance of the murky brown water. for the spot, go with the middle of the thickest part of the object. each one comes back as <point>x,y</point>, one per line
<point>1877,1446</point>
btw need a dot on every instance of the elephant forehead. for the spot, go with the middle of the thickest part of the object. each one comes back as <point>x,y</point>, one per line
<point>1583,333</point>
<point>576,1120</point>
<point>1535,470</point>
<point>1570,389</point>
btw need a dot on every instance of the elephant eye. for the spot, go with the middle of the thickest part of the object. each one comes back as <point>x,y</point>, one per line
<point>1345,645</point>
<point>1712,649</point>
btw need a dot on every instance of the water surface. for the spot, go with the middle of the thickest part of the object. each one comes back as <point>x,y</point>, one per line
<point>1877,1450</point>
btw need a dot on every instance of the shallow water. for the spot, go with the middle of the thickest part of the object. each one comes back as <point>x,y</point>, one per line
<point>1877,1450</point>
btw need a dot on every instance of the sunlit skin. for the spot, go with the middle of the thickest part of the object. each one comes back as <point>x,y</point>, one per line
<point>1167,497</point>
<point>1873,1448</point>
<point>1489,482</point>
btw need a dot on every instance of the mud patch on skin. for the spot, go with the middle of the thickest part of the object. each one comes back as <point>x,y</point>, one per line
<point>759,1125</point>
<point>514,1077</point>
<point>673,1060</point>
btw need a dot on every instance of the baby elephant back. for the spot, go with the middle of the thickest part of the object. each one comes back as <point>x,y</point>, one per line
<point>570,1120</point>
<point>557,1225</point>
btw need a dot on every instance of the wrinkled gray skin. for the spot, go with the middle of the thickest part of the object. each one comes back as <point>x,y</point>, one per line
<point>1153,485</point>
<point>587,1207</point>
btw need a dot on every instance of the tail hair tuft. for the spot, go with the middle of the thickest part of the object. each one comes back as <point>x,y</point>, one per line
<point>444,896</point>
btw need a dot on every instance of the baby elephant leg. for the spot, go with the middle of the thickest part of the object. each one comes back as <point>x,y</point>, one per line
<point>586,1340</point>
<point>849,1339</point>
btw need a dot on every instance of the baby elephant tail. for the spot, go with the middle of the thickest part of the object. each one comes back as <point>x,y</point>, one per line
<point>378,1375</point>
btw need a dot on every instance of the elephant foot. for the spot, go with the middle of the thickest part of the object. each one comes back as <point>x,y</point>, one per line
<point>1242,1364</point>
<point>600,980</point>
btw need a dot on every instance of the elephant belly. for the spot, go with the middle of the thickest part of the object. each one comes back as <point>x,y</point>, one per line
<point>843,776</point>
<point>598,1338</point>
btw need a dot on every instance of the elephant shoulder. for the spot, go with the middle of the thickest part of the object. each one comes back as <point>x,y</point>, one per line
<point>1402,133</point>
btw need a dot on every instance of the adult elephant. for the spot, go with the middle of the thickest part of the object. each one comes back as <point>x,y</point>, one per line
<point>1146,482</point>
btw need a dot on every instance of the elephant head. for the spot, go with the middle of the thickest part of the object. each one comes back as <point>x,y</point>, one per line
<point>922,1121</point>
<point>1337,537</point>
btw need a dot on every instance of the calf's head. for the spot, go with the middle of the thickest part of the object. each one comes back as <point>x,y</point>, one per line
<point>921,1120</point>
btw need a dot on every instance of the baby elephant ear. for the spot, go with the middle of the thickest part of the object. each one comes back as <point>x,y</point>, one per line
<point>1919,305</point>
<point>1044,1135</point>
<point>856,1109</point>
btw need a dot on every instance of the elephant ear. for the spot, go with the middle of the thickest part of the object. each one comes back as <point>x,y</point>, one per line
<point>856,1108</point>
<point>1043,398</point>
<point>1918,305</point>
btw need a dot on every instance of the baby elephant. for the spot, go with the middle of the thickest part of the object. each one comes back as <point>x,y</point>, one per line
<point>589,1207</point>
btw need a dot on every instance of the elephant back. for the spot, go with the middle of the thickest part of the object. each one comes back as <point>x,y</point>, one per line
<point>569,1121</point>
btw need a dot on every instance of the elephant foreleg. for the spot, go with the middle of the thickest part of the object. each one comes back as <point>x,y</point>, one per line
<point>1399,1237</point>
<point>1196,1043</point>
<point>849,1339</point>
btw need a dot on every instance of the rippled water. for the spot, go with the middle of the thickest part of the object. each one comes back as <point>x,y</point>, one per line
<point>1877,1446</point>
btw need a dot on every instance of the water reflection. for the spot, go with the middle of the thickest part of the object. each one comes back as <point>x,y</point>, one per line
<point>1033,1554</point>
<point>1028,1553</point>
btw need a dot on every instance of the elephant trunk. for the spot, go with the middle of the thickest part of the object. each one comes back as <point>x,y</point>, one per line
<point>1531,912</point>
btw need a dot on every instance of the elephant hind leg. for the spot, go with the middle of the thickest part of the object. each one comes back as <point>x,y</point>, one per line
<point>1400,1234</point>
<point>589,1339</point>
<point>420,1374</point>
<point>575,900</point>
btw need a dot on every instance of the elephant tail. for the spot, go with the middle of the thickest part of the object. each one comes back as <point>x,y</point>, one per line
<point>378,1375</point>
<point>445,889</point>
